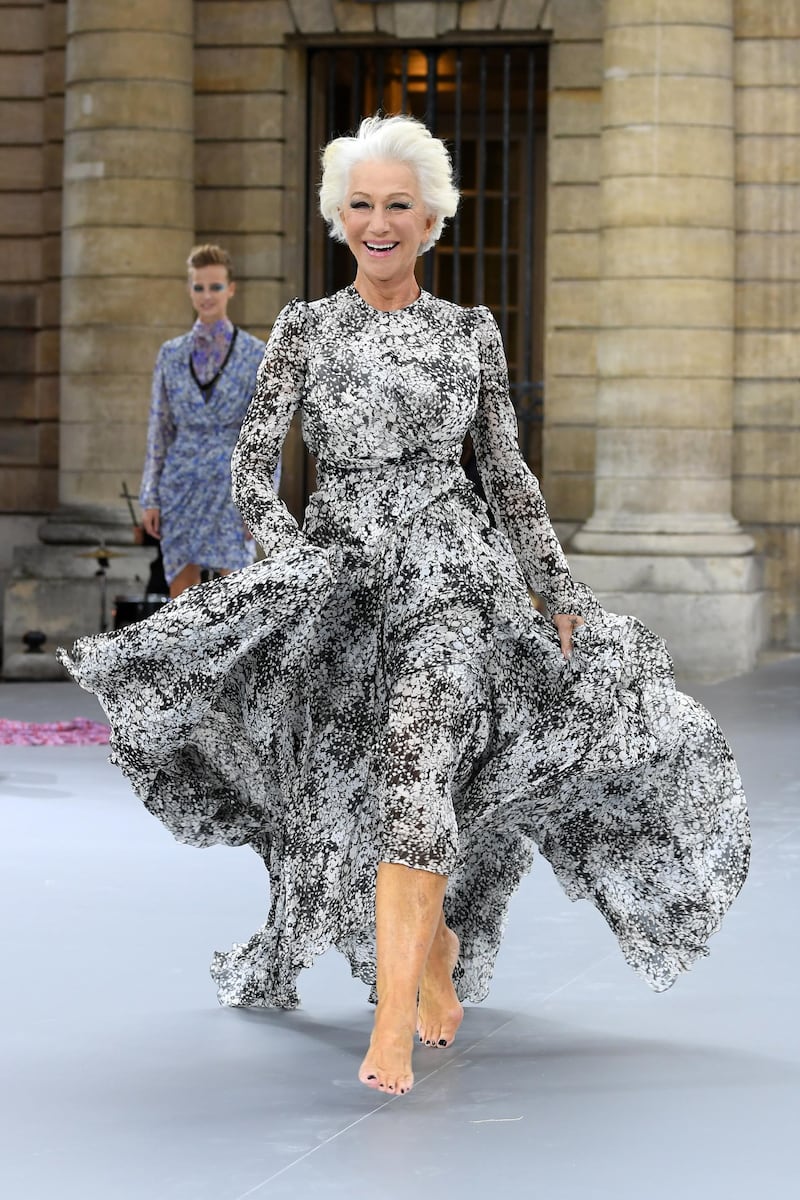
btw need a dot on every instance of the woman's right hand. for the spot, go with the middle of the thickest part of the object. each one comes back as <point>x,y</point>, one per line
<point>151,522</point>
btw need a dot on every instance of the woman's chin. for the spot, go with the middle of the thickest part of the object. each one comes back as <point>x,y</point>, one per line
<point>385,270</point>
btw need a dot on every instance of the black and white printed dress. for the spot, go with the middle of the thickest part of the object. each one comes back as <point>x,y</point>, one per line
<point>380,686</point>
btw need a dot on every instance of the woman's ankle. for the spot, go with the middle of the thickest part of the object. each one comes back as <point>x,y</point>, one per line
<point>396,1009</point>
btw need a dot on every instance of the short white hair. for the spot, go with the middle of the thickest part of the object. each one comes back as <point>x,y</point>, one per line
<point>390,139</point>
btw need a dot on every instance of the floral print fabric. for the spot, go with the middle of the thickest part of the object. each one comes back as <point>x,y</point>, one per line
<point>187,465</point>
<point>210,346</point>
<point>381,687</point>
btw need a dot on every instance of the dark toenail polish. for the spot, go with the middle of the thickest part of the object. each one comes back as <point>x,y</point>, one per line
<point>371,1077</point>
<point>442,1042</point>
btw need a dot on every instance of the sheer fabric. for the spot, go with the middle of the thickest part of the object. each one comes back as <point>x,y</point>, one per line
<point>381,688</point>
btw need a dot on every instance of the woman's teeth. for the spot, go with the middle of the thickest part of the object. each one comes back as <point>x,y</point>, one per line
<point>380,248</point>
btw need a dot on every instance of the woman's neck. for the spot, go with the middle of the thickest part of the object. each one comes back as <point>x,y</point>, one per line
<point>389,295</point>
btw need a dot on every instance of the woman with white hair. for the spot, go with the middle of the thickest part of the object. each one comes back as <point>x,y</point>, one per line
<point>377,707</point>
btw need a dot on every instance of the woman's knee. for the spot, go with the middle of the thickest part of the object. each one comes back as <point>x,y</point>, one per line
<point>431,739</point>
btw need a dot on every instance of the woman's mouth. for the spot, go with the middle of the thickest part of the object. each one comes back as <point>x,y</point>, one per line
<point>380,249</point>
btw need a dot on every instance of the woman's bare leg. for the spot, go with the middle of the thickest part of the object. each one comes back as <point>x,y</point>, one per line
<point>187,577</point>
<point>408,909</point>
<point>440,1012</point>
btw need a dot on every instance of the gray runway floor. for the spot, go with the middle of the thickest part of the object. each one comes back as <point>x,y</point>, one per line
<point>123,1080</point>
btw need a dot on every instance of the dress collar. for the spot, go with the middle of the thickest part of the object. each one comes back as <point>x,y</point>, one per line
<point>221,330</point>
<point>352,291</point>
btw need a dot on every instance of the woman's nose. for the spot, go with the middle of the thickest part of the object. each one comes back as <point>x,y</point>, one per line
<point>378,220</point>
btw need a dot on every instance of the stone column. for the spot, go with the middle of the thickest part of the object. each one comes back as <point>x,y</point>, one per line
<point>662,542</point>
<point>128,223</point>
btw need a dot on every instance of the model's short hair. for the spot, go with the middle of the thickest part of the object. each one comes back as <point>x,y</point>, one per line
<point>392,139</point>
<point>208,255</point>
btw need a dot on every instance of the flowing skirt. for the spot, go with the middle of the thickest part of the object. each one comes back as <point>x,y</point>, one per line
<point>391,694</point>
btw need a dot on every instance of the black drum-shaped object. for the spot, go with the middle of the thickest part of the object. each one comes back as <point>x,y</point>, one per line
<point>128,609</point>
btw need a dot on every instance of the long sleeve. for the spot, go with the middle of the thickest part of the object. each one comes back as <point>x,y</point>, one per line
<point>511,489</point>
<point>160,436</point>
<point>279,389</point>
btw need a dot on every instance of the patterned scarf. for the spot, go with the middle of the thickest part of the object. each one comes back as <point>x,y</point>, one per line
<point>210,344</point>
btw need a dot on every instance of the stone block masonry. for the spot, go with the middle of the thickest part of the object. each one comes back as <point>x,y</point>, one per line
<point>766,401</point>
<point>672,273</point>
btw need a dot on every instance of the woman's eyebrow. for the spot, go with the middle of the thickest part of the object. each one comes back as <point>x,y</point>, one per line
<point>389,196</point>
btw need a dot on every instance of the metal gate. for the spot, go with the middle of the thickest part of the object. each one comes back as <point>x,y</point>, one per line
<point>489,105</point>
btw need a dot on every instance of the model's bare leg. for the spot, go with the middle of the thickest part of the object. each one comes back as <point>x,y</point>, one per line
<point>408,908</point>
<point>440,1012</point>
<point>187,577</point>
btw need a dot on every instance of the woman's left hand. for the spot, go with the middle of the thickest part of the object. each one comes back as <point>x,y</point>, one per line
<point>566,624</point>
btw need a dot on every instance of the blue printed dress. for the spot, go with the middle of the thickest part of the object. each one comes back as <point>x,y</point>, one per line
<point>201,392</point>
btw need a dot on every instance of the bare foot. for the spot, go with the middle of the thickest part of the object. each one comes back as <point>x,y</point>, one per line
<point>439,1013</point>
<point>387,1066</point>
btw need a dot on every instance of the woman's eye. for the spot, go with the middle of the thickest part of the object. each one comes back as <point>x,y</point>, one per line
<point>358,204</point>
<point>399,204</point>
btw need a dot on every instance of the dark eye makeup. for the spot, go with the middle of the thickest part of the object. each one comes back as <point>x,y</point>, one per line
<point>401,204</point>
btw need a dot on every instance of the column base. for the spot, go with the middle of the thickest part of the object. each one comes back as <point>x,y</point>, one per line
<point>88,525</point>
<point>55,590</point>
<point>655,534</point>
<point>710,609</point>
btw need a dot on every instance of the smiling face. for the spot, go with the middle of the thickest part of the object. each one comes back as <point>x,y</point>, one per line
<point>210,290</point>
<point>385,221</point>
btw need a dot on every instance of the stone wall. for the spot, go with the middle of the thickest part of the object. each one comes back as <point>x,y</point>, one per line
<point>766,435</point>
<point>240,86</point>
<point>767,392</point>
<point>31,138</point>
<point>573,260</point>
<point>31,124</point>
<point>128,219</point>
<point>248,180</point>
